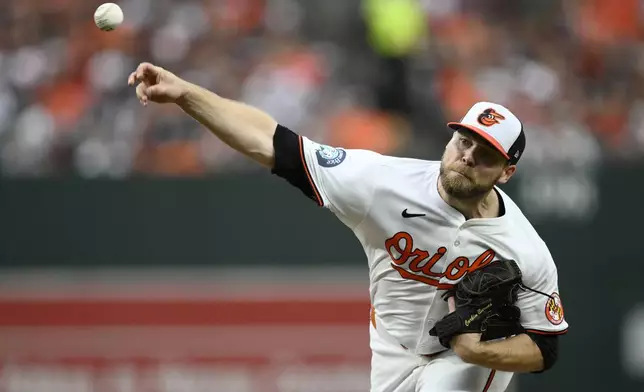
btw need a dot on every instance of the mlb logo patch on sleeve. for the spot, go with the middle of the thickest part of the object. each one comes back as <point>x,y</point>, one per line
<point>330,156</point>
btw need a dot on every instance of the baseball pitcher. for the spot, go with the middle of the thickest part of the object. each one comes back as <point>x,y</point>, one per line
<point>464,292</point>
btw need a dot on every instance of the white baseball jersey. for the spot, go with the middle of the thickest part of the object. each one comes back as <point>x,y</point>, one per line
<point>416,244</point>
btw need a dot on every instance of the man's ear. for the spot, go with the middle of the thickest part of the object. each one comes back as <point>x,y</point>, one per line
<point>508,172</point>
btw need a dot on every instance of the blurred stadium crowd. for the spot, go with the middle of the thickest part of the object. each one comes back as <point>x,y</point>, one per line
<point>378,74</point>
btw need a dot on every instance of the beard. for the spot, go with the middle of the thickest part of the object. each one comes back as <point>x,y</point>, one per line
<point>459,186</point>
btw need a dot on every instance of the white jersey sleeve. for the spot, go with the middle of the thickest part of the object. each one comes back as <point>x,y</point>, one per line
<point>542,310</point>
<point>343,181</point>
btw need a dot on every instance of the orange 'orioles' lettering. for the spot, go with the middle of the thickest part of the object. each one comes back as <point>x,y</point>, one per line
<point>421,263</point>
<point>457,268</point>
<point>394,242</point>
<point>437,256</point>
<point>484,259</point>
<point>420,256</point>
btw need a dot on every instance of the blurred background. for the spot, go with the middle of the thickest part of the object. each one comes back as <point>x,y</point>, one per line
<point>139,253</point>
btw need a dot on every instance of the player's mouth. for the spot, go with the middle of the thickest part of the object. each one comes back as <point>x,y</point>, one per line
<point>462,174</point>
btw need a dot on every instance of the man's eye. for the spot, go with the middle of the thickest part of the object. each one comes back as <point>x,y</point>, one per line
<point>489,158</point>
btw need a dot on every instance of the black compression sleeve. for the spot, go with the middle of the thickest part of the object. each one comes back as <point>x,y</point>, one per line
<point>549,347</point>
<point>290,163</point>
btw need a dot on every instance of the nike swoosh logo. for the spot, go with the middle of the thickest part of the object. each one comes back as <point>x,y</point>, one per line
<point>405,214</point>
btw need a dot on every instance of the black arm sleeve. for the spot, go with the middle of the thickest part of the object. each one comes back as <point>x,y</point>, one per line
<point>549,347</point>
<point>290,163</point>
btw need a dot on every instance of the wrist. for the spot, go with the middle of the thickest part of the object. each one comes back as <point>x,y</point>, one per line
<point>188,93</point>
<point>476,351</point>
<point>468,347</point>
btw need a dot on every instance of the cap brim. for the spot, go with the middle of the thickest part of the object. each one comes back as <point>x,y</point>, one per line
<point>456,126</point>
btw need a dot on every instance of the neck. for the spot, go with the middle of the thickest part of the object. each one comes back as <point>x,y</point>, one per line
<point>484,206</point>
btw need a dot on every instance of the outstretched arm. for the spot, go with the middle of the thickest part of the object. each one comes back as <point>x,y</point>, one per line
<point>347,190</point>
<point>244,128</point>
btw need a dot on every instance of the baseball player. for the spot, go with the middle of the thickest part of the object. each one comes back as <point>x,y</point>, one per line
<point>425,226</point>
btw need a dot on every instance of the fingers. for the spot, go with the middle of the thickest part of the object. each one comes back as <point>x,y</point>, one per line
<point>143,70</point>
<point>146,93</point>
<point>149,86</point>
<point>141,93</point>
<point>157,91</point>
<point>131,79</point>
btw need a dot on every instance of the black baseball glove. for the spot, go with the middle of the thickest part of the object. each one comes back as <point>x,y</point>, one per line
<point>484,302</point>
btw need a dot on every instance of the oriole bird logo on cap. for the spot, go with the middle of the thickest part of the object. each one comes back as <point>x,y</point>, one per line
<point>490,117</point>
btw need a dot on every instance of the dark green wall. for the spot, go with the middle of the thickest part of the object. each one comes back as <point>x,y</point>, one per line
<point>254,219</point>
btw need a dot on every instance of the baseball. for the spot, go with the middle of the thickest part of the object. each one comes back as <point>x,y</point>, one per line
<point>108,16</point>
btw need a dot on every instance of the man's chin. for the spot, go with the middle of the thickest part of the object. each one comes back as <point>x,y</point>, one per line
<point>456,179</point>
<point>459,186</point>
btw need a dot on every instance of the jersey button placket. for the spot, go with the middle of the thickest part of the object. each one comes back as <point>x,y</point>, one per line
<point>457,242</point>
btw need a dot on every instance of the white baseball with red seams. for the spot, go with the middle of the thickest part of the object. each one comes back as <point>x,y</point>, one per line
<point>108,16</point>
<point>418,245</point>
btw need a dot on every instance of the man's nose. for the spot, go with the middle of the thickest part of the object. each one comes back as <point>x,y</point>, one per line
<point>468,157</point>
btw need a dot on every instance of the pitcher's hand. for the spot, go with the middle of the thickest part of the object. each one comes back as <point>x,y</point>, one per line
<point>155,84</point>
